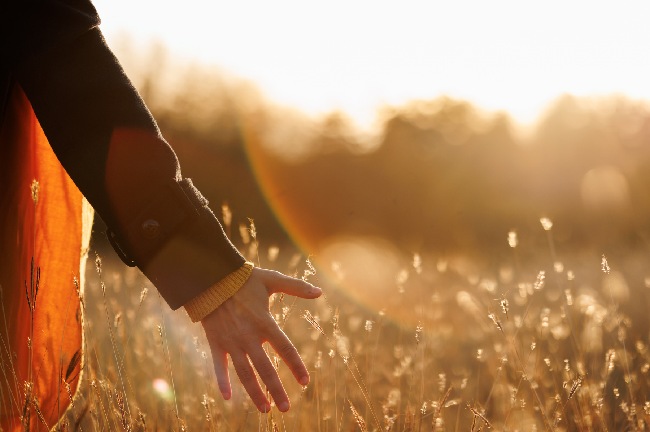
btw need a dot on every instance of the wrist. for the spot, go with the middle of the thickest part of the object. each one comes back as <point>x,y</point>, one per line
<point>209,300</point>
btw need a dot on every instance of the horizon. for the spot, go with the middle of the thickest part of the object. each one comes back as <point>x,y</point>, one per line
<point>336,59</point>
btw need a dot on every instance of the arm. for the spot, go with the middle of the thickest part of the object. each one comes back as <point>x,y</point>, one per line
<point>110,145</point>
<point>108,142</point>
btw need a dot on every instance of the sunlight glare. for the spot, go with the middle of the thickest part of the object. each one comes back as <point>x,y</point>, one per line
<point>356,56</point>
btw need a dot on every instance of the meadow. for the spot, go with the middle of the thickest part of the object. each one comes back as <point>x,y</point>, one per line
<point>546,340</point>
<point>476,276</point>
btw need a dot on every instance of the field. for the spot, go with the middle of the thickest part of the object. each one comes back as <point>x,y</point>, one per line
<point>544,340</point>
<point>449,304</point>
<point>478,274</point>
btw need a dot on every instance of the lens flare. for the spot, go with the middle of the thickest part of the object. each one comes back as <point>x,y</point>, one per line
<point>365,268</point>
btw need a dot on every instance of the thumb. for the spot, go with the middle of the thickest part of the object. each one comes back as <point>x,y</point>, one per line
<point>277,282</point>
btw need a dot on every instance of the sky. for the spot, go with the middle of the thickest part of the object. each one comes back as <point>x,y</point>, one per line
<point>356,55</point>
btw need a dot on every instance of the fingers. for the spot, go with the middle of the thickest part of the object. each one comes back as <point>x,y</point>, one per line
<point>270,377</point>
<point>285,349</point>
<point>277,282</point>
<point>246,375</point>
<point>240,327</point>
<point>249,381</point>
<point>220,360</point>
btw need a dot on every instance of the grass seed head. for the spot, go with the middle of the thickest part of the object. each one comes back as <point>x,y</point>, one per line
<point>244,234</point>
<point>418,333</point>
<point>505,307</point>
<point>226,215</point>
<point>143,294</point>
<point>272,253</point>
<point>98,264</point>
<point>496,321</point>
<point>357,417</point>
<point>312,320</point>
<point>35,188</point>
<point>604,265</point>
<point>252,229</point>
<point>513,241</point>
<point>540,281</point>
<point>417,263</point>
<point>547,224</point>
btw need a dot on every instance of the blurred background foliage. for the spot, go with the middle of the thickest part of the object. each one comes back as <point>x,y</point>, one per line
<point>437,175</point>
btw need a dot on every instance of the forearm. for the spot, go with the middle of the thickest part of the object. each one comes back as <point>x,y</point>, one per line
<point>109,143</point>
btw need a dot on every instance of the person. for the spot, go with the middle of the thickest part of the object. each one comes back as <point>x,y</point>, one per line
<point>73,128</point>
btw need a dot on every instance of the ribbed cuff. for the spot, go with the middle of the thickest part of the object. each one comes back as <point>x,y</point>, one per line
<point>209,300</point>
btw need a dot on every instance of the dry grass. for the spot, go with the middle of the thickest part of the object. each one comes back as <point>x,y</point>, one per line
<point>529,346</point>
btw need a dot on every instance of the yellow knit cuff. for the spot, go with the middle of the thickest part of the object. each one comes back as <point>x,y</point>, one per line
<point>206,302</point>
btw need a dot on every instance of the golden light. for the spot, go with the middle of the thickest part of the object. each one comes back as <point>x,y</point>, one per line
<point>354,56</point>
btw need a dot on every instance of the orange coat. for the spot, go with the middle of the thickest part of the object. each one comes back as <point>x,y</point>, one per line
<point>44,234</point>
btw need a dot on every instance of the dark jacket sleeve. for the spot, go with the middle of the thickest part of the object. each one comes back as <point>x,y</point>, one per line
<point>30,26</point>
<point>108,142</point>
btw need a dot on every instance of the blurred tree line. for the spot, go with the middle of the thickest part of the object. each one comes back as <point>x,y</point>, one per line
<point>440,175</point>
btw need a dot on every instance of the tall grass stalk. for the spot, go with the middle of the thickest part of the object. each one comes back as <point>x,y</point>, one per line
<point>535,371</point>
<point>116,354</point>
<point>165,345</point>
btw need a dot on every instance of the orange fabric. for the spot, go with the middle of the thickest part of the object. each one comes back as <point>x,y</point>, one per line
<point>50,231</point>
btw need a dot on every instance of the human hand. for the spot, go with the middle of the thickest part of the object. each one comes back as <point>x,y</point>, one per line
<point>242,324</point>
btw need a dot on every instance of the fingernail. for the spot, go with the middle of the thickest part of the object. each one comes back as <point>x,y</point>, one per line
<point>315,290</point>
<point>304,380</point>
<point>283,406</point>
<point>265,408</point>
